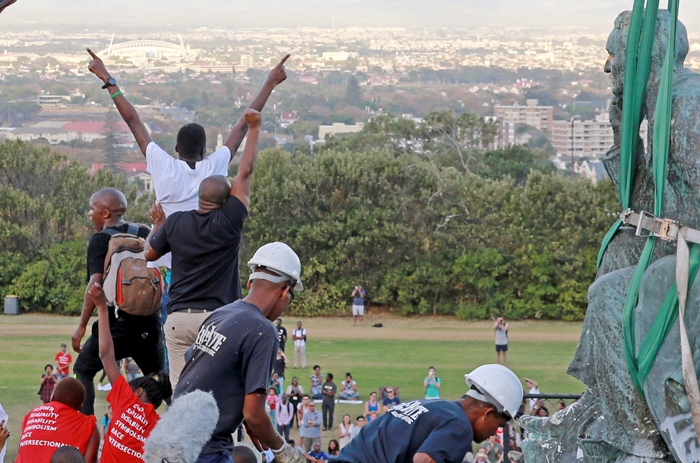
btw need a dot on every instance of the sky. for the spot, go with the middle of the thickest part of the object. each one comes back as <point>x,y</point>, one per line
<point>596,15</point>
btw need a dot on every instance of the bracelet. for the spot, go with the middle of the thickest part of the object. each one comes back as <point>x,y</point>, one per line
<point>117,94</point>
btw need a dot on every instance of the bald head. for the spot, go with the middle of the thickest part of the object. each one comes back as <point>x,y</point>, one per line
<point>213,192</point>
<point>70,392</point>
<point>110,199</point>
<point>67,454</point>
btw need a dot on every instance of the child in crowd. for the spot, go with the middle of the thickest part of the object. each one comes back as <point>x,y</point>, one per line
<point>106,420</point>
<point>137,399</point>
<point>273,402</point>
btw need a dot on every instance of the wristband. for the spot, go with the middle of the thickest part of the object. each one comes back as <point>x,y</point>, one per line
<point>117,94</point>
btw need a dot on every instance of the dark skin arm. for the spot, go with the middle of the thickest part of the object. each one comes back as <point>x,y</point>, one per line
<point>258,424</point>
<point>277,76</point>
<point>106,343</point>
<point>88,308</point>
<point>92,446</point>
<point>240,187</point>
<point>126,110</point>
<point>157,217</point>
<point>1,10</point>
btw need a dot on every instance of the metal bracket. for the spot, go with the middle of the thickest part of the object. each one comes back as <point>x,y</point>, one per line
<point>664,230</point>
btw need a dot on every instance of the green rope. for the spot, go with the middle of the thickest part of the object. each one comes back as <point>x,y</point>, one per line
<point>640,40</point>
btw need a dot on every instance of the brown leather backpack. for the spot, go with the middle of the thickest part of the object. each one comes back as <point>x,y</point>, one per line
<point>128,283</point>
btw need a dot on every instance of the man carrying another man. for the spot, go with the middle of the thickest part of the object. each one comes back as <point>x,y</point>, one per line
<point>204,245</point>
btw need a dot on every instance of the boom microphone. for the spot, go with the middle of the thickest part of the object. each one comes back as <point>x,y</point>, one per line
<point>183,430</point>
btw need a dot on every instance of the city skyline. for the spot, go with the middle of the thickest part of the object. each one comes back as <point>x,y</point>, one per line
<point>595,15</point>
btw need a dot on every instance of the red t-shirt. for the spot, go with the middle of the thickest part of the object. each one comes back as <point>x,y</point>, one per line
<point>132,422</point>
<point>63,361</point>
<point>51,426</point>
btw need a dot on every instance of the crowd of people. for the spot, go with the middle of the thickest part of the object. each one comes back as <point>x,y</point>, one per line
<point>189,331</point>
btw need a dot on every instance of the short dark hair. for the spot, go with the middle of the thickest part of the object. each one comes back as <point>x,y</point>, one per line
<point>243,454</point>
<point>431,367</point>
<point>305,395</point>
<point>48,365</point>
<point>67,454</point>
<point>348,374</point>
<point>156,385</point>
<point>317,366</point>
<point>191,140</point>
<point>330,375</point>
<point>291,442</point>
<point>361,418</point>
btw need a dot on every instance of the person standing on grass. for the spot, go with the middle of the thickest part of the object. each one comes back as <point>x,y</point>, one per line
<point>295,392</point>
<point>316,383</point>
<point>48,382</point>
<point>358,305</point>
<point>280,365</point>
<point>299,337</point>
<point>285,416</point>
<point>432,384</point>
<point>328,406</point>
<point>63,360</point>
<point>59,423</point>
<point>281,334</point>
<point>302,408</point>
<point>311,429</point>
<point>533,387</point>
<point>501,329</point>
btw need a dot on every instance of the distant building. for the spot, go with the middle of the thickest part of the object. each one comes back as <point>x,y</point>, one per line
<point>52,100</point>
<point>61,131</point>
<point>288,118</point>
<point>593,171</point>
<point>338,128</point>
<point>539,117</point>
<point>135,171</point>
<point>219,141</point>
<point>591,139</point>
<point>336,55</point>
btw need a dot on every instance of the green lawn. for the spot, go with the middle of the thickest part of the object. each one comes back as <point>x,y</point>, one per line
<point>398,354</point>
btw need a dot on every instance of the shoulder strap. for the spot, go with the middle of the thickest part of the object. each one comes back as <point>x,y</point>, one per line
<point>133,229</point>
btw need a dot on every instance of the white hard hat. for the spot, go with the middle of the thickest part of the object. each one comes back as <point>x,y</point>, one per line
<point>279,258</point>
<point>498,386</point>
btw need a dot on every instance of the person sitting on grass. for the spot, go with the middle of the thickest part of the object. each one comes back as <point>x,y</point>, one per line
<point>348,388</point>
<point>361,422</point>
<point>333,448</point>
<point>317,455</point>
<point>372,405</point>
<point>390,400</point>
<point>345,430</point>
<point>137,400</point>
<point>69,427</point>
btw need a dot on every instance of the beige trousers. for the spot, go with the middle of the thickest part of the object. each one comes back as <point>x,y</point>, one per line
<point>181,330</point>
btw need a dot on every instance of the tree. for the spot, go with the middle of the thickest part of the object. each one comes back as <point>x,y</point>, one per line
<point>352,91</point>
<point>111,139</point>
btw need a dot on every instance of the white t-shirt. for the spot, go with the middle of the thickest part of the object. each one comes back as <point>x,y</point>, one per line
<point>177,184</point>
<point>299,332</point>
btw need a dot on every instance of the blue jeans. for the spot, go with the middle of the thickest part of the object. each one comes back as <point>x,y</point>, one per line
<point>164,301</point>
<point>284,432</point>
<point>219,457</point>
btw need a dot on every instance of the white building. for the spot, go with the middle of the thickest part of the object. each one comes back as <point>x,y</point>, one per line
<point>591,139</point>
<point>338,128</point>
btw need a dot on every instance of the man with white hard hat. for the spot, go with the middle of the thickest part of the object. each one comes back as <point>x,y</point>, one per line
<point>235,351</point>
<point>440,431</point>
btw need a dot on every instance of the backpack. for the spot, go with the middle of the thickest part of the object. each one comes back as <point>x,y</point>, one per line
<point>128,283</point>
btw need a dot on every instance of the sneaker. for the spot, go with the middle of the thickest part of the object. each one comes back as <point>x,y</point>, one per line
<point>99,387</point>
<point>107,387</point>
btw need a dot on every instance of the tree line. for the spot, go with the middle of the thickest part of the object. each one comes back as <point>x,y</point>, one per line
<point>426,217</point>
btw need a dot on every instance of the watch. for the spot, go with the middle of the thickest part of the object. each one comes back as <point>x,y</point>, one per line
<point>110,82</point>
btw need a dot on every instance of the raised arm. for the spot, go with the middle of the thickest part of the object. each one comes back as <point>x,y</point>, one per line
<point>157,217</point>
<point>3,9</point>
<point>240,187</point>
<point>277,76</point>
<point>105,335</point>
<point>126,110</point>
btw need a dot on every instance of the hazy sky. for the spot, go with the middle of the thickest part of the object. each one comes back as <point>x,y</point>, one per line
<point>595,14</point>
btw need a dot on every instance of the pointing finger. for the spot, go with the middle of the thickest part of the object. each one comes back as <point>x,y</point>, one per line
<point>284,59</point>
<point>94,56</point>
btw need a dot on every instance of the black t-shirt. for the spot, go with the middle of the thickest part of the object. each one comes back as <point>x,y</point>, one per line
<point>329,388</point>
<point>281,334</point>
<point>233,356</point>
<point>99,244</point>
<point>279,367</point>
<point>204,248</point>
<point>439,428</point>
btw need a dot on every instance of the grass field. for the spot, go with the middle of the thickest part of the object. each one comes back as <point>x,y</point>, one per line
<point>397,354</point>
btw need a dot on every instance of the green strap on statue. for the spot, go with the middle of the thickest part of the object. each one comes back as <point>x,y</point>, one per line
<point>640,42</point>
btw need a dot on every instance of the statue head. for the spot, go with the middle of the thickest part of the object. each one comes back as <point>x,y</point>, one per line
<point>617,48</point>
